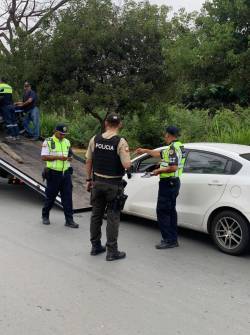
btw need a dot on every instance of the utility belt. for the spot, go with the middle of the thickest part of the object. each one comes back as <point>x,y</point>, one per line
<point>113,181</point>
<point>47,173</point>
<point>170,180</point>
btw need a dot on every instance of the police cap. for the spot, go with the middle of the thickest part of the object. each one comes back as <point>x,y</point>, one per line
<point>61,128</point>
<point>173,130</point>
<point>113,118</point>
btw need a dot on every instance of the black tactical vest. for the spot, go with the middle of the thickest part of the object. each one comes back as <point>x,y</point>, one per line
<point>106,161</point>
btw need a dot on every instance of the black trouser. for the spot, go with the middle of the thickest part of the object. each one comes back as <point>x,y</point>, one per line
<point>59,182</point>
<point>103,193</point>
<point>166,208</point>
<point>10,120</point>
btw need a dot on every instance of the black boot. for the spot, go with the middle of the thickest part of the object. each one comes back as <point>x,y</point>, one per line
<point>112,256</point>
<point>71,223</point>
<point>46,220</point>
<point>97,249</point>
<point>167,245</point>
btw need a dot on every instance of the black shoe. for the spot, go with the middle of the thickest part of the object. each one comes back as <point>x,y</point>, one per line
<point>167,245</point>
<point>71,224</point>
<point>46,221</point>
<point>112,256</point>
<point>96,250</point>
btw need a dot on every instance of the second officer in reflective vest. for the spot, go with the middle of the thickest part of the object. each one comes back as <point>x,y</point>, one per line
<point>56,152</point>
<point>170,170</point>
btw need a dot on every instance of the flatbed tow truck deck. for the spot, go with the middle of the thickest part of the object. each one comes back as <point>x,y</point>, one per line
<point>29,171</point>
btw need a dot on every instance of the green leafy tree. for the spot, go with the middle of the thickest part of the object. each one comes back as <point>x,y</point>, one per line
<point>106,58</point>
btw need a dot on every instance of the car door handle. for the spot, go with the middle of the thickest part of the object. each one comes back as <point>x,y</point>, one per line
<point>215,184</point>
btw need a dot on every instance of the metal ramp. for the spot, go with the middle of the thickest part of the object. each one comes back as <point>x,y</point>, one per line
<point>29,171</point>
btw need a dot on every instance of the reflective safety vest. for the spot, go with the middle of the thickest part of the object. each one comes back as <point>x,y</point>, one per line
<point>180,152</point>
<point>58,148</point>
<point>5,89</point>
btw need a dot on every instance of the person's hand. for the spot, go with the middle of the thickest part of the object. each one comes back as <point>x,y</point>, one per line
<point>140,151</point>
<point>89,185</point>
<point>18,104</point>
<point>156,172</point>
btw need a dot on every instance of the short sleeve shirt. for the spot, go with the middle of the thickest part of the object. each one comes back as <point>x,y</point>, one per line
<point>30,94</point>
<point>45,149</point>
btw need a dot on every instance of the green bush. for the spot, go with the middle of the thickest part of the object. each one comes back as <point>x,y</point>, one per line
<point>81,128</point>
<point>146,128</point>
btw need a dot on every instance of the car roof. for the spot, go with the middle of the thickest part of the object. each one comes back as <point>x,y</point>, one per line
<point>227,147</point>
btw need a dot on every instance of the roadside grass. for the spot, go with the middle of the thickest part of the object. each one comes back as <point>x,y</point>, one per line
<point>147,129</point>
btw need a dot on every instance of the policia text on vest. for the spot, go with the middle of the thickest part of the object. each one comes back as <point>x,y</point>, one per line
<point>170,171</point>
<point>57,154</point>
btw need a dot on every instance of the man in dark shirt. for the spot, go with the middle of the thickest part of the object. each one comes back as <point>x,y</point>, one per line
<point>29,106</point>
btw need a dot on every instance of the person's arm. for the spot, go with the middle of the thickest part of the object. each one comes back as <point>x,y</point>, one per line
<point>27,102</point>
<point>150,152</point>
<point>24,104</point>
<point>123,152</point>
<point>89,169</point>
<point>89,165</point>
<point>168,169</point>
<point>54,158</point>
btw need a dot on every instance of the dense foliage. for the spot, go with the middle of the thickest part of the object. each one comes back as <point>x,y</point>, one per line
<point>191,69</point>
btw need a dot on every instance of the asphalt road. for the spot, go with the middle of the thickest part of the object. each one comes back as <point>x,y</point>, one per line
<point>49,284</point>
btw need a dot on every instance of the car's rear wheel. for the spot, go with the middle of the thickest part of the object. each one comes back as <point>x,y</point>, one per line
<point>230,232</point>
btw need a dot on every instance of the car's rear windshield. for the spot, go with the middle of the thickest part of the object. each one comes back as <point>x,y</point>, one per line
<point>246,156</point>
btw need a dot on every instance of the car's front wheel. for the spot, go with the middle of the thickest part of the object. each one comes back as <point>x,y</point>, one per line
<point>230,232</point>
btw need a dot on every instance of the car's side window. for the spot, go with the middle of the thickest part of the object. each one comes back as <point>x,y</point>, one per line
<point>206,163</point>
<point>148,164</point>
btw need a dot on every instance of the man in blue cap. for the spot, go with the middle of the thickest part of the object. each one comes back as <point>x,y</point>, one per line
<point>170,170</point>
<point>57,153</point>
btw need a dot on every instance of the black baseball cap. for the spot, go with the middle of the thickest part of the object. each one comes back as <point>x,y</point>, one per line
<point>113,118</point>
<point>173,130</point>
<point>61,128</point>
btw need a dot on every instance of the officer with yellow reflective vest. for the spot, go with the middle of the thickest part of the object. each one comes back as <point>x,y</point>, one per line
<point>170,170</point>
<point>57,153</point>
<point>8,111</point>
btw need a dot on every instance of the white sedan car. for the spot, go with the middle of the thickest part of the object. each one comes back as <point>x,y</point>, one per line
<point>214,196</point>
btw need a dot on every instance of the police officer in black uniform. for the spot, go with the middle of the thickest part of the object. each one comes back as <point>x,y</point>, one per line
<point>107,158</point>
